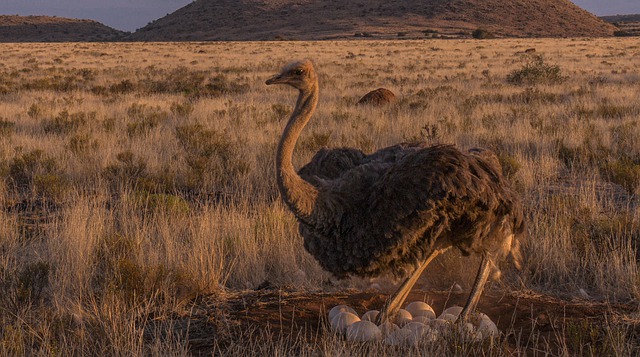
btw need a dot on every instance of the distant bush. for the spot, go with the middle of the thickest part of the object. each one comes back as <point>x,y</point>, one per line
<point>625,172</point>
<point>482,34</point>
<point>25,286</point>
<point>622,33</point>
<point>65,123</point>
<point>6,127</point>
<point>146,118</point>
<point>36,173</point>
<point>211,156</point>
<point>536,71</point>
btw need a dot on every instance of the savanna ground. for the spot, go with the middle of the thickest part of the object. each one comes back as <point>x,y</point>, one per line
<point>139,213</point>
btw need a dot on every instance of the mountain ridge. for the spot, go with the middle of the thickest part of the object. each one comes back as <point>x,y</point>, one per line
<point>319,20</point>
<point>15,28</point>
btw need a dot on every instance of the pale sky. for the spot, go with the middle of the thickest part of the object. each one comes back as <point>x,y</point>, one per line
<point>129,15</point>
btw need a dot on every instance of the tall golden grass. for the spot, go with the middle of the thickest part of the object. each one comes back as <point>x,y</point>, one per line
<point>136,177</point>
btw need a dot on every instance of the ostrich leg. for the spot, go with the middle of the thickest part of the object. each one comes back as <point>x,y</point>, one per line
<point>394,302</point>
<point>476,291</point>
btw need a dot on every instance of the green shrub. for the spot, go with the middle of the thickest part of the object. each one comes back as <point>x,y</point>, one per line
<point>181,109</point>
<point>36,173</point>
<point>65,123</point>
<point>145,118</point>
<point>80,144</point>
<point>34,111</point>
<point>160,202</point>
<point>123,87</point>
<point>536,71</point>
<point>211,156</point>
<point>625,172</point>
<point>126,171</point>
<point>24,287</point>
<point>7,128</point>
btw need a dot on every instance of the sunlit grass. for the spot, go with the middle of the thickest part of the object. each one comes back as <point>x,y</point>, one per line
<point>136,177</point>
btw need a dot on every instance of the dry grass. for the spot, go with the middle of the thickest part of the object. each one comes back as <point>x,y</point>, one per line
<point>136,177</point>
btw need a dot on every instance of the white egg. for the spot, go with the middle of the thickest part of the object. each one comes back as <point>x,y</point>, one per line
<point>419,308</point>
<point>468,331</point>
<point>397,338</point>
<point>370,315</point>
<point>453,310</point>
<point>448,317</point>
<point>440,324</point>
<point>340,308</point>
<point>343,320</point>
<point>421,335</point>
<point>476,317</point>
<point>415,327</point>
<point>363,331</point>
<point>422,319</point>
<point>388,327</point>
<point>403,317</point>
<point>488,328</point>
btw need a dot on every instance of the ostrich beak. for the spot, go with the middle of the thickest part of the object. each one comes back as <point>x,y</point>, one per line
<point>278,78</point>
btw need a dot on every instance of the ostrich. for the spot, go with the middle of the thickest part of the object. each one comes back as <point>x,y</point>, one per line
<point>397,209</point>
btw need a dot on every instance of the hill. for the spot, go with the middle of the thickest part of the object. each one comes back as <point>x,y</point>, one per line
<point>628,25</point>
<point>314,20</point>
<point>622,18</point>
<point>15,28</point>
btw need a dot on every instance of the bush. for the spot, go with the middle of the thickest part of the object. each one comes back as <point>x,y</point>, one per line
<point>34,172</point>
<point>482,34</point>
<point>6,127</point>
<point>536,71</point>
<point>26,286</point>
<point>65,123</point>
<point>146,118</point>
<point>622,33</point>
<point>210,155</point>
<point>128,169</point>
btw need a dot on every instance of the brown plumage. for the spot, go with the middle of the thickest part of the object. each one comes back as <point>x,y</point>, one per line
<point>398,208</point>
<point>378,97</point>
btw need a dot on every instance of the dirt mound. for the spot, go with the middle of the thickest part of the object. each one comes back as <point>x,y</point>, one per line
<point>379,97</point>
<point>314,20</point>
<point>54,29</point>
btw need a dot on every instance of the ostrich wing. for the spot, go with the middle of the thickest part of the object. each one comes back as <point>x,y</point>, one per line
<point>439,195</point>
<point>330,164</point>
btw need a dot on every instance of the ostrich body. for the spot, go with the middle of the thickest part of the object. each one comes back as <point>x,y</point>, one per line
<point>398,208</point>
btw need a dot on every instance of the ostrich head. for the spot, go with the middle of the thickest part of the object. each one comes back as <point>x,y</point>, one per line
<point>299,75</point>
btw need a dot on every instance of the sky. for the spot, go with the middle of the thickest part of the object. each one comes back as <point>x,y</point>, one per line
<point>129,15</point>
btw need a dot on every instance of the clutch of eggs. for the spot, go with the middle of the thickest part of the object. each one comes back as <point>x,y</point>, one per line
<point>416,323</point>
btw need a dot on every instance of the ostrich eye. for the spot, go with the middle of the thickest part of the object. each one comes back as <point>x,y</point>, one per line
<point>298,72</point>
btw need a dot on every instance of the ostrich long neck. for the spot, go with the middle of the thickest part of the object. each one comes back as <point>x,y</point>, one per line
<point>298,194</point>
